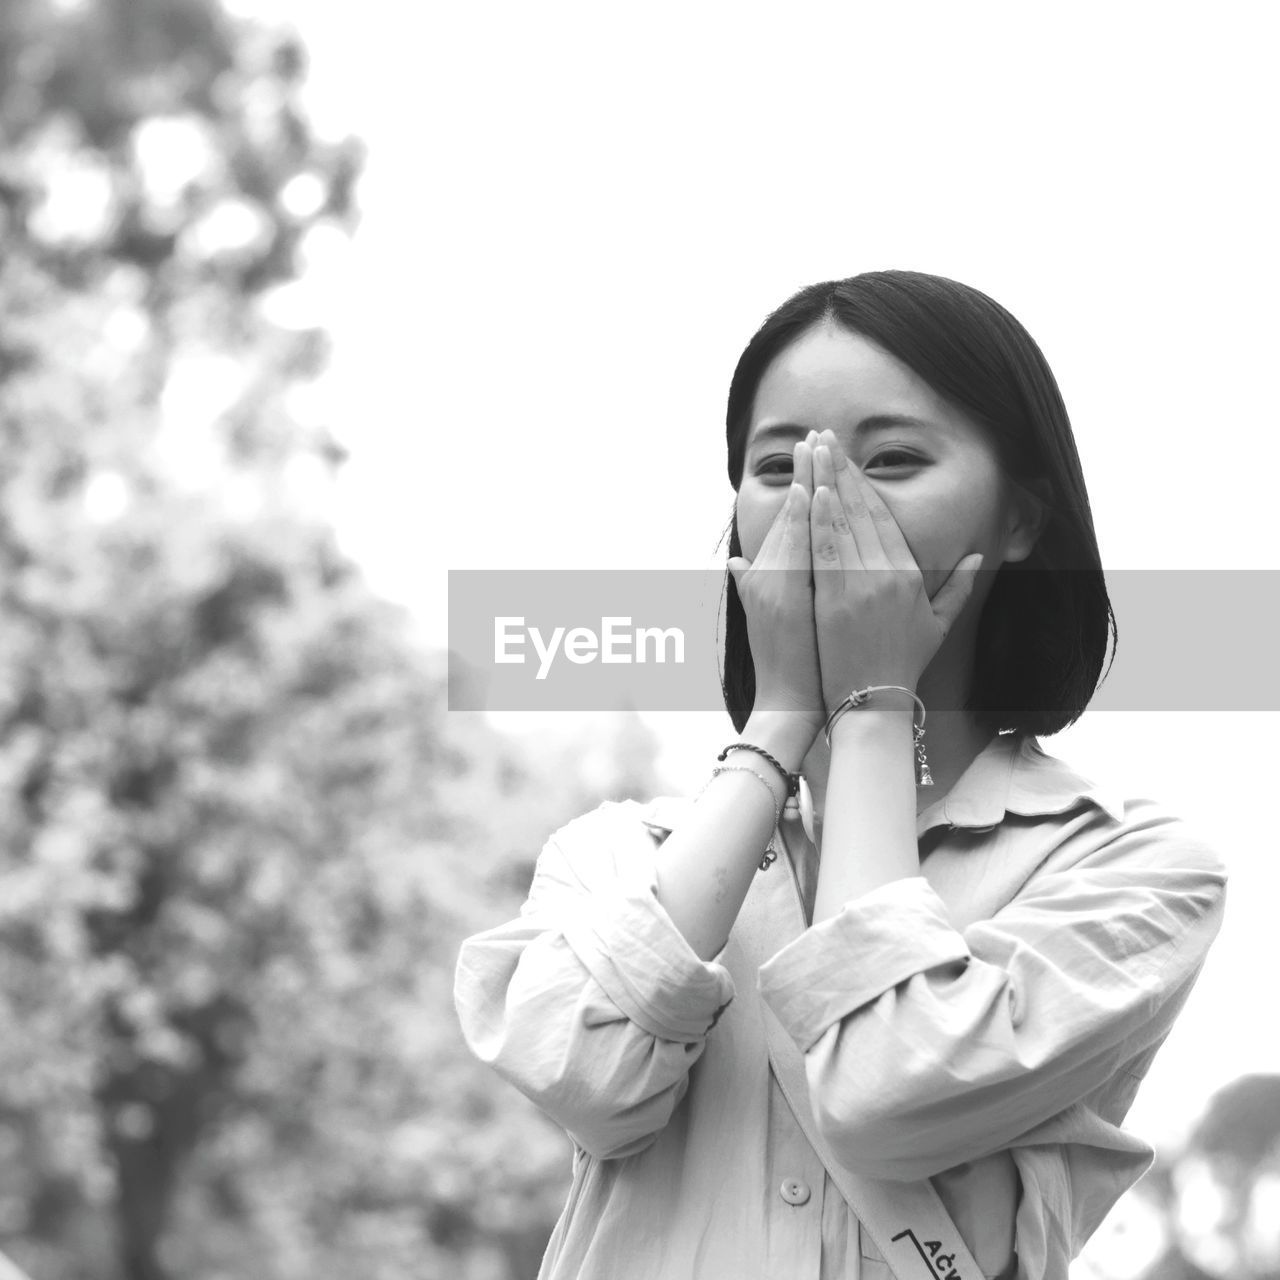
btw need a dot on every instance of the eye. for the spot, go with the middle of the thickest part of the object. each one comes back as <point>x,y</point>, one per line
<point>778,465</point>
<point>894,458</point>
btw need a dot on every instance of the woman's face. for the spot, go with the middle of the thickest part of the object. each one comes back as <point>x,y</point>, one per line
<point>932,467</point>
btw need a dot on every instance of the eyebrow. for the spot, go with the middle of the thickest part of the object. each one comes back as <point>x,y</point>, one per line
<point>875,422</point>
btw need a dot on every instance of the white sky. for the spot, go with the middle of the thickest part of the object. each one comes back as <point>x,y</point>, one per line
<point>576,214</point>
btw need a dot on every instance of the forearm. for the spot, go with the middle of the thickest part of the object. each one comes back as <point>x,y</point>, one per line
<point>705,867</point>
<point>869,827</point>
<point>926,1047</point>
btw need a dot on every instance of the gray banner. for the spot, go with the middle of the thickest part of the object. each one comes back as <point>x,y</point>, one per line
<point>582,640</point>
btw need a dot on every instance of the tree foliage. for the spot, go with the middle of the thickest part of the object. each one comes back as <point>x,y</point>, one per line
<point>241,837</point>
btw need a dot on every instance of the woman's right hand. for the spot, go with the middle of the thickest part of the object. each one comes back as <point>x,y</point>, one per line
<point>779,608</point>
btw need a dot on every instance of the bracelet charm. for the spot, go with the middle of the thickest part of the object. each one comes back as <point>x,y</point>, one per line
<point>859,697</point>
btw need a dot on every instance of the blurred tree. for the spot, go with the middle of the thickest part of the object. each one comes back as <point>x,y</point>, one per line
<point>1209,1210</point>
<point>239,839</point>
<point>1226,1185</point>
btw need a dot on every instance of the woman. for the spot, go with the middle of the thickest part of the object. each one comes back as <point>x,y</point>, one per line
<point>902,1041</point>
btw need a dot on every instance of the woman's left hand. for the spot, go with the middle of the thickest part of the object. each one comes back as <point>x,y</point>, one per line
<point>875,621</point>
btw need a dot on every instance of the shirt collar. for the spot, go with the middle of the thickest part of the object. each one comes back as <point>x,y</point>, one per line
<point>1011,774</point>
<point>1014,774</point>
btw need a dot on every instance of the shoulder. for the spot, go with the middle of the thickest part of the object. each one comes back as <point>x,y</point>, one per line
<point>1142,856</point>
<point>1111,826</point>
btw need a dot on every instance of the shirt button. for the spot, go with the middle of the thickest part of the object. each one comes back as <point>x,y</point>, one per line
<point>794,1191</point>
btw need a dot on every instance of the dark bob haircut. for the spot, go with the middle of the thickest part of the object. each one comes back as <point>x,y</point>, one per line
<point>1043,634</point>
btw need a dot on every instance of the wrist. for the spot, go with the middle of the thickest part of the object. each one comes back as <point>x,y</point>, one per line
<point>783,734</point>
<point>874,720</point>
<point>886,731</point>
<point>775,785</point>
<point>895,698</point>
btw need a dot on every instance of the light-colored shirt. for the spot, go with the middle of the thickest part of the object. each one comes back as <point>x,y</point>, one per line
<point>984,1025</point>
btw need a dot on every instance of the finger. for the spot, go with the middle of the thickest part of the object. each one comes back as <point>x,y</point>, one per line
<point>737,566</point>
<point>827,549</point>
<point>802,466</point>
<point>951,598</point>
<point>793,549</point>
<point>842,530</point>
<point>853,499</point>
<point>776,532</point>
<point>782,536</point>
<point>822,468</point>
<point>875,529</point>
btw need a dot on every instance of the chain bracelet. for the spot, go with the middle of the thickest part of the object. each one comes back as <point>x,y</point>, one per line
<point>769,857</point>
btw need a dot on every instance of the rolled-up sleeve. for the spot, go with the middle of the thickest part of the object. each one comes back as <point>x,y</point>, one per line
<point>927,1046</point>
<point>591,1003</point>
